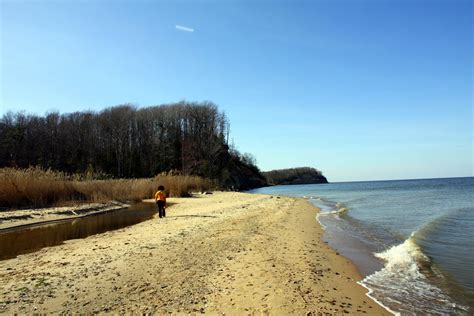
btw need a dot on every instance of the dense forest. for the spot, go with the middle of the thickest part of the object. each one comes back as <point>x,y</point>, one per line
<point>303,175</point>
<point>128,142</point>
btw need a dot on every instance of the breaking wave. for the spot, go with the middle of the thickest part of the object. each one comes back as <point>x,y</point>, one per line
<point>341,209</point>
<point>402,286</point>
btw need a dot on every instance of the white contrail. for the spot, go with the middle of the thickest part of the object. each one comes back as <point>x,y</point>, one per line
<point>184,28</point>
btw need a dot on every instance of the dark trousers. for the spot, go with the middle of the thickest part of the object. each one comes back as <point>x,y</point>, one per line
<point>161,208</point>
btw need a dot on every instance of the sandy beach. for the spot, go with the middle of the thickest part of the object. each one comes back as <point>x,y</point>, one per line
<point>222,253</point>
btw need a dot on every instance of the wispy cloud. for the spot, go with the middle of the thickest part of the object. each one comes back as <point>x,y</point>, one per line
<point>184,28</point>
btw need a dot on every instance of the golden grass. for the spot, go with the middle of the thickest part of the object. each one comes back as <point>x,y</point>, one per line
<point>35,187</point>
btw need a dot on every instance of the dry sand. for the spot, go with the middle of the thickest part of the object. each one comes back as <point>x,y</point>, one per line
<point>231,253</point>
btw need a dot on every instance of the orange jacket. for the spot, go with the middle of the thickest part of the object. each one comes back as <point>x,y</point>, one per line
<point>160,196</point>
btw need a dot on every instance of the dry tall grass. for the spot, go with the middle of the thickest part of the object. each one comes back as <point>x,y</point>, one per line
<point>36,187</point>
<point>180,186</point>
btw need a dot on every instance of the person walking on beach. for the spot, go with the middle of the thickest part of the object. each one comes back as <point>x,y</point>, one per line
<point>160,198</point>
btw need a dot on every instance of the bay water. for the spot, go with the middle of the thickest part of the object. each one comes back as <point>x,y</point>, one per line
<point>412,240</point>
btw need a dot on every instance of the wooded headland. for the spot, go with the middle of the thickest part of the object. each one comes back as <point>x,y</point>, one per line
<point>123,141</point>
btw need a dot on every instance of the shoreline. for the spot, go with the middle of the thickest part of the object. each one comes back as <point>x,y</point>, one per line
<point>362,277</point>
<point>227,252</point>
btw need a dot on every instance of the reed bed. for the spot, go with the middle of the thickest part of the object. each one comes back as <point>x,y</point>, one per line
<point>36,187</point>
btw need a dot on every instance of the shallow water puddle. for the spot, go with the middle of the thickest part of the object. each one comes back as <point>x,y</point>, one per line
<point>30,238</point>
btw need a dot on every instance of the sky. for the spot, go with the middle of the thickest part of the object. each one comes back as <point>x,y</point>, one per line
<point>362,90</point>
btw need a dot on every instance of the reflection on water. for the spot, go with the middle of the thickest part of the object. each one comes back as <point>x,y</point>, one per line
<point>14,242</point>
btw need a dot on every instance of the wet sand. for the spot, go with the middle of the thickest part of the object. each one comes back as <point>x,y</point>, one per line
<point>231,253</point>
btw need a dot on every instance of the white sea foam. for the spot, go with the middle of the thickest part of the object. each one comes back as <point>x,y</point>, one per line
<point>340,211</point>
<point>401,279</point>
<point>406,256</point>
<point>369,294</point>
<point>319,221</point>
<point>329,207</point>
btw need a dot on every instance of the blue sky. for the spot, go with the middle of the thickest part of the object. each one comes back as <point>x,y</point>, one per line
<point>362,90</point>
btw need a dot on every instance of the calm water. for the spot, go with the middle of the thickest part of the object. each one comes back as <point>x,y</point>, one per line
<point>413,240</point>
<point>16,241</point>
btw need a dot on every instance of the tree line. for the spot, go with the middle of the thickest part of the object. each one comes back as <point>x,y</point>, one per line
<point>302,175</point>
<point>127,142</point>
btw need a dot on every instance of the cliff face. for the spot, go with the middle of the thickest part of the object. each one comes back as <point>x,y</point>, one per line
<point>303,175</point>
<point>242,176</point>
